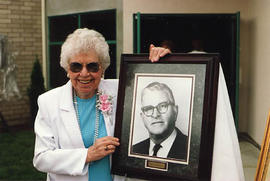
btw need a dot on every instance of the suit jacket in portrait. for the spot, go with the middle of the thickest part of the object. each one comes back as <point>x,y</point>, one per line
<point>177,151</point>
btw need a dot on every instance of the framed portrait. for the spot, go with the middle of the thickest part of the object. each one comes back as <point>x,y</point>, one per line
<point>262,171</point>
<point>165,117</point>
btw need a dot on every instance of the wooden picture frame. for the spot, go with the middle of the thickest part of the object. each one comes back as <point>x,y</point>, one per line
<point>193,80</point>
<point>262,171</point>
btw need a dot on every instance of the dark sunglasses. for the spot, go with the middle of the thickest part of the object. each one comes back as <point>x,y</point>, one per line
<point>77,67</point>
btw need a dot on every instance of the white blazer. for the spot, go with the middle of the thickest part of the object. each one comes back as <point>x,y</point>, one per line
<point>59,147</point>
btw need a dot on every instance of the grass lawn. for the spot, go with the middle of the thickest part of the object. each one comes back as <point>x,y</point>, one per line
<point>16,155</point>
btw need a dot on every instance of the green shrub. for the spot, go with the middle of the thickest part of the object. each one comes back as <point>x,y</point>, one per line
<point>36,88</point>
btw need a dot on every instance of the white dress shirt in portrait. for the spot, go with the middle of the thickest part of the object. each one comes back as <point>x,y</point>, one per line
<point>166,146</point>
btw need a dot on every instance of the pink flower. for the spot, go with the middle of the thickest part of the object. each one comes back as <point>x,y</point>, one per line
<point>104,102</point>
<point>103,98</point>
<point>106,106</point>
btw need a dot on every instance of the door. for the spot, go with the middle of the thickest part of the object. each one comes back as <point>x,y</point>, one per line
<point>211,33</point>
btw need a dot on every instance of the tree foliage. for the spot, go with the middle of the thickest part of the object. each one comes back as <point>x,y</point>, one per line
<point>36,88</point>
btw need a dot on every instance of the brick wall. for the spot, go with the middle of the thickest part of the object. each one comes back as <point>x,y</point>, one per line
<point>20,21</point>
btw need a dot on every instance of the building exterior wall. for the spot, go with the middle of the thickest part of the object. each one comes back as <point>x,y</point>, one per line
<point>259,74</point>
<point>20,21</point>
<point>61,7</point>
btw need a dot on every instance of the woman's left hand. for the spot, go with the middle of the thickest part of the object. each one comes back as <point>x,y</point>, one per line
<point>101,148</point>
<point>156,52</point>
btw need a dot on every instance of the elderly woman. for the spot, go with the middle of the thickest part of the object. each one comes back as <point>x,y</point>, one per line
<point>74,128</point>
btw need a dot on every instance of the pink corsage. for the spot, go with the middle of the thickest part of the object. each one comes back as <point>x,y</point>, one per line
<point>104,102</point>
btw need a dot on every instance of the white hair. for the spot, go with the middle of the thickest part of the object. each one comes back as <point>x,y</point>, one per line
<point>81,41</point>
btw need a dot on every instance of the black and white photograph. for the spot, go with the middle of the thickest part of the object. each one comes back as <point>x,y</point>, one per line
<point>162,117</point>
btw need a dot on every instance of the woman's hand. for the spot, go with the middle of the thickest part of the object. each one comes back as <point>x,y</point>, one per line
<point>101,148</point>
<point>156,52</point>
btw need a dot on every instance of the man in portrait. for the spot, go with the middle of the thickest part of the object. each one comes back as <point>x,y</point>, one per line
<point>159,114</point>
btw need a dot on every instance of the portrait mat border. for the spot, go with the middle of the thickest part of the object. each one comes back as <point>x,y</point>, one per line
<point>189,110</point>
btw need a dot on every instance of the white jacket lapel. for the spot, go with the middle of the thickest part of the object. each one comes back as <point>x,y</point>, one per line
<point>109,124</point>
<point>110,88</point>
<point>68,115</point>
